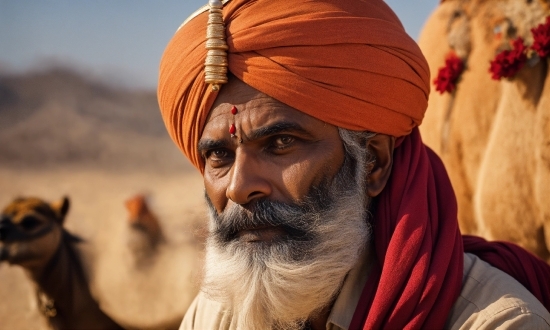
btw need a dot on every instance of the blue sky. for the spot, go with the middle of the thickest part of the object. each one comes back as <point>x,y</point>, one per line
<point>117,40</point>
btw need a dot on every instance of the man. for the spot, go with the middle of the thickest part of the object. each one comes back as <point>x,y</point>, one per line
<point>326,209</point>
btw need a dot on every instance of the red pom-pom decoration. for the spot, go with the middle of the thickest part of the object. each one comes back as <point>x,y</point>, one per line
<point>508,62</point>
<point>448,75</point>
<point>541,36</point>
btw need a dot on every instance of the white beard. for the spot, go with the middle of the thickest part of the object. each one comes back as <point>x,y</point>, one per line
<point>281,285</point>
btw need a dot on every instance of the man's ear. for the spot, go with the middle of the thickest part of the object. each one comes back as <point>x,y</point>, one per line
<point>381,147</point>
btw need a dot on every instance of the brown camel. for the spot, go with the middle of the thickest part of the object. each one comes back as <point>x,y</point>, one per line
<point>457,124</point>
<point>542,157</point>
<point>492,135</point>
<point>506,203</point>
<point>145,232</point>
<point>32,236</point>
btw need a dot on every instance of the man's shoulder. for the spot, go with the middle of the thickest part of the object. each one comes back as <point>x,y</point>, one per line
<point>206,314</point>
<point>492,299</point>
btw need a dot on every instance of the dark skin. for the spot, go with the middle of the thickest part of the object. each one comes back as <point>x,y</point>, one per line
<point>282,154</point>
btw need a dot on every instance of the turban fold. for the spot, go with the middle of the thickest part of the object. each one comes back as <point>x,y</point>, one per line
<point>351,64</point>
<point>348,63</point>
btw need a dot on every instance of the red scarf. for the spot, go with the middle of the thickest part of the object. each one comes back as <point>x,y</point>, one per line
<point>418,276</point>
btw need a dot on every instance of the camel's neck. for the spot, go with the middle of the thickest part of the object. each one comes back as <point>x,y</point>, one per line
<point>63,291</point>
<point>62,276</point>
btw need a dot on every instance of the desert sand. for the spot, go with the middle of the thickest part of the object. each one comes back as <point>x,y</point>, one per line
<point>62,135</point>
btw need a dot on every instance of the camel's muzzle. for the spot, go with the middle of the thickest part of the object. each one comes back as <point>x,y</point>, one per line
<point>5,227</point>
<point>3,253</point>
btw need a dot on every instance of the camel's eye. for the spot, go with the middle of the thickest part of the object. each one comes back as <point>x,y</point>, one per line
<point>504,28</point>
<point>456,14</point>
<point>29,223</point>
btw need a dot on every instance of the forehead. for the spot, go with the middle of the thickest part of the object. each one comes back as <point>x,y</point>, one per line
<point>253,104</point>
<point>22,206</point>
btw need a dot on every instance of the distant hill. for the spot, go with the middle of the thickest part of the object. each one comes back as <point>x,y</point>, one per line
<point>58,117</point>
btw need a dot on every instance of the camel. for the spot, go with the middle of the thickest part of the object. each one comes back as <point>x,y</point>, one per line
<point>456,126</point>
<point>32,237</point>
<point>145,233</point>
<point>506,202</point>
<point>541,150</point>
<point>492,135</point>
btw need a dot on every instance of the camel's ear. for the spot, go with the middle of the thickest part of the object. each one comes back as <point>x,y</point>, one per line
<point>61,208</point>
<point>381,146</point>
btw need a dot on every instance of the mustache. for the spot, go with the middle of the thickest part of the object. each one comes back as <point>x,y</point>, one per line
<point>297,220</point>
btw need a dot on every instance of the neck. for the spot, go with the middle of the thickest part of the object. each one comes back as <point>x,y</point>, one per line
<point>319,321</point>
<point>63,292</point>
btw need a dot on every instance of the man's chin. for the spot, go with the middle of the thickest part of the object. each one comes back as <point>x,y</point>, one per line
<point>266,235</point>
<point>282,248</point>
<point>256,250</point>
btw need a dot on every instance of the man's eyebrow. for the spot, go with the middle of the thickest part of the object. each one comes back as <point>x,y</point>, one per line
<point>276,128</point>
<point>208,144</point>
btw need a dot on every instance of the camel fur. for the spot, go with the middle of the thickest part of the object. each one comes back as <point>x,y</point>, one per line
<point>32,237</point>
<point>493,136</point>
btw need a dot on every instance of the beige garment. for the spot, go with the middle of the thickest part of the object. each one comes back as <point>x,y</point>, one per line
<point>490,299</point>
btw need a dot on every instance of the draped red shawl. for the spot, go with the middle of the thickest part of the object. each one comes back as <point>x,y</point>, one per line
<point>351,64</point>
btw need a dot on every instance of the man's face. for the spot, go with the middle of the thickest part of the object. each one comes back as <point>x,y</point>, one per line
<point>287,209</point>
<point>282,155</point>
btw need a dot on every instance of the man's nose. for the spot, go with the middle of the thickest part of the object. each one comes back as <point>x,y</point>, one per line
<point>248,179</point>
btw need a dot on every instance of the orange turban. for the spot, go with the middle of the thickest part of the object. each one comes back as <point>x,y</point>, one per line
<point>348,63</point>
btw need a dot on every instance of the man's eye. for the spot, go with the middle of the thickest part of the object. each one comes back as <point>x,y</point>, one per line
<point>282,142</point>
<point>219,157</point>
<point>217,154</point>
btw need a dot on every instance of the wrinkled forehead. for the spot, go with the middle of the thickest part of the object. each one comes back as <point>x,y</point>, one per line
<point>236,92</point>
<point>246,98</point>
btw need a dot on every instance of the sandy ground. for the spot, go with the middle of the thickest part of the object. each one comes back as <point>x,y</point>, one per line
<point>139,297</point>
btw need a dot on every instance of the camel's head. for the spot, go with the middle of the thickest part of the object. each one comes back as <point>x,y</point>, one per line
<point>496,23</point>
<point>31,231</point>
